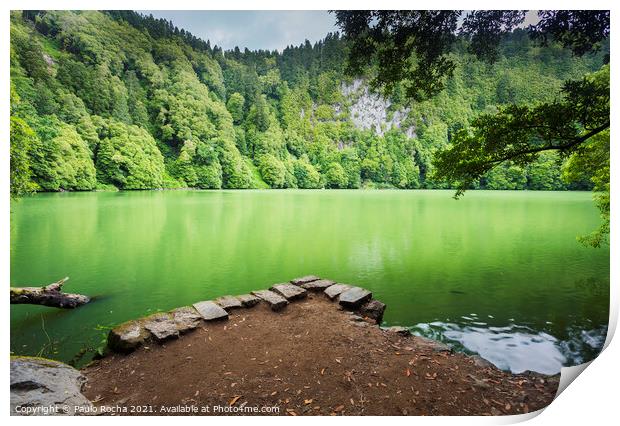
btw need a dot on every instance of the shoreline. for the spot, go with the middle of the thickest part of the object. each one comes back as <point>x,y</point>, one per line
<point>536,191</point>
<point>308,347</point>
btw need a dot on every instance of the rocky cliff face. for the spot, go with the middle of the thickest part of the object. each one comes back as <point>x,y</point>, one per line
<point>371,111</point>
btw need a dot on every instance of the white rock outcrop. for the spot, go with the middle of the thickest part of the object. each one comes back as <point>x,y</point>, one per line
<point>370,110</point>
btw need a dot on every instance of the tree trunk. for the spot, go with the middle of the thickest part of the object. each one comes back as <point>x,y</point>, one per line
<point>50,295</point>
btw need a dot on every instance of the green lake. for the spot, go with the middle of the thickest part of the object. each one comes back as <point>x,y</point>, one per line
<point>498,273</point>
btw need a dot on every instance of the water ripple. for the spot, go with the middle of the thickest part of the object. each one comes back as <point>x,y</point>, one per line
<point>516,348</point>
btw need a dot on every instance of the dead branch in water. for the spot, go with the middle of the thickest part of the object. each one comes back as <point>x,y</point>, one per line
<point>50,295</point>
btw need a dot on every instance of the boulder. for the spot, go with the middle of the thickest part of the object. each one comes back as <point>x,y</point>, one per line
<point>210,311</point>
<point>161,326</point>
<point>44,387</point>
<point>403,331</point>
<point>334,291</point>
<point>319,285</point>
<point>127,336</point>
<point>374,310</point>
<point>228,302</point>
<point>186,318</point>
<point>290,291</point>
<point>275,301</point>
<point>304,280</point>
<point>248,300</point>
<point>354,297</point>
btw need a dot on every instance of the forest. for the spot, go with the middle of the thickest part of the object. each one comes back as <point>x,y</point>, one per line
<point>119,100</point>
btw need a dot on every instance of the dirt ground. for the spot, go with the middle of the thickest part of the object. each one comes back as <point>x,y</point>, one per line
<point>310,359</point>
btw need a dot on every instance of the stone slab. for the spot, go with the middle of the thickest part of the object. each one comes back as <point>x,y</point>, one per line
<point>374,310</point>
<point>304,280</point>
<point>248,300</point>
<point>354,297</point>
<point>186,318</point>
<point>127,336</point>
<point>289,291</point>
<point>161,326</point>
<point>334,291</point>
<point>210,311</point>
<point>38,383</point>
<point>228,302</point>
<point>319,285</point>
<point>275,301</point>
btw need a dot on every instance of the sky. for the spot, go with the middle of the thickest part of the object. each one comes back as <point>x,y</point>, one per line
<point>262,29</point>
<point>259,29</point>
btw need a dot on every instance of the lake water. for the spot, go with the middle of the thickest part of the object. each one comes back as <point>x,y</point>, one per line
<point>498,273</point>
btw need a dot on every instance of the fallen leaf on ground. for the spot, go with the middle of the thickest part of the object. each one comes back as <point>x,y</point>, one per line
<point>233,400</point>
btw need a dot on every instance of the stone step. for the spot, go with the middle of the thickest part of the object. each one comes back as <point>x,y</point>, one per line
<point>374,310</point>
<point>128,336</point>
<point>354,297</point>
<point>319,285</point>
<point>210,311</point>
<point>304,280</point>
<point>228,302</point>
<point>186,318</point>
<point>161,326</point>
<point>290,291</point>
<point>275,301</point>
<point>248,300</point>
<point>334,291</point>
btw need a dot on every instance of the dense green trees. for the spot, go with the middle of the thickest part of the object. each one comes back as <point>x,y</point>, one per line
<point>127,156</point>
<point>117,98</point>
<point>22,139</point>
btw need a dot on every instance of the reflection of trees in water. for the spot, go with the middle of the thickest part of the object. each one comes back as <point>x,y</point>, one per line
<point>595,286</point>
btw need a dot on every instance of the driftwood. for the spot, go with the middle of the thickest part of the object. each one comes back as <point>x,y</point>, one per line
<point>50,295</point>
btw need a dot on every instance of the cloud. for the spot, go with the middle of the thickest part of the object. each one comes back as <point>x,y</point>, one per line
<point>252,29</point>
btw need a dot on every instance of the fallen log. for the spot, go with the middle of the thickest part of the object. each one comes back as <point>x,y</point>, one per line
<point>50,295</point>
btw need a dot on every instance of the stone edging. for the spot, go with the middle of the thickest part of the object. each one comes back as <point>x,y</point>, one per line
<point>162,326</point>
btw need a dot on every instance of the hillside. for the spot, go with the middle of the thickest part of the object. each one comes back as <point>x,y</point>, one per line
<point>115,99</point>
